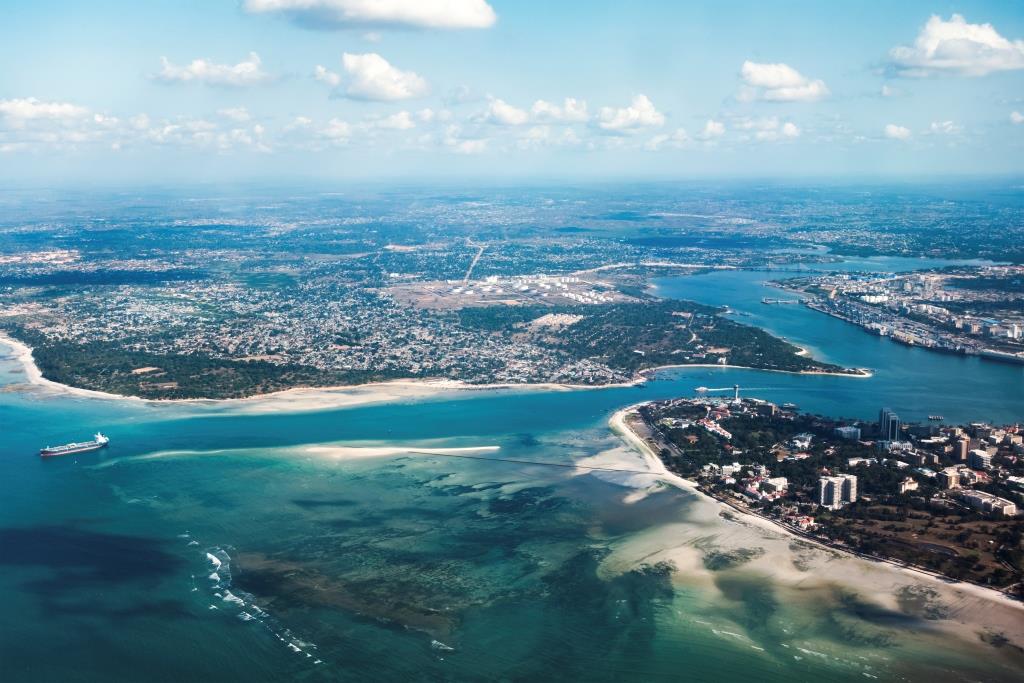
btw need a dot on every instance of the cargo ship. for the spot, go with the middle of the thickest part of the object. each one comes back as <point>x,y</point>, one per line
<point>98,441</point>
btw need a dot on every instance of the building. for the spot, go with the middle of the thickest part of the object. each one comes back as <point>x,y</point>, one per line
<point>849,433</point>
<point>888,425</point>
<point>801,442</point>
<point>961,449</point>
<point>986,502</point>
<point>908,485</point>
<point>979,460</point>
<point>835,492</point>
<point>775,485</point>
<point>949,478</point>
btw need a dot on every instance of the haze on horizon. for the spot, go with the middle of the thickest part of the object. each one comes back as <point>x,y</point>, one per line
<point>433,89</point>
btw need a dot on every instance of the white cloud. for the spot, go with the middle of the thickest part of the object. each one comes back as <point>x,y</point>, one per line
<point>676,139</point>
<point>371,77</point>
<point>298,123</point>
<point>1016,117</point>
<point>889,91</point>
<point>237,114</point>
<point>641,113</point>
<point>779,83</point>
<point>399,121</point>
<point>247,72</point>
<point>571,110</point>
<point>504,114</point>
<point>457,142</point>
<point>956,47</point>
<point>894,132</point>
<point>324,75</point>
<point>19,111</point>
<point>337,131</point>
<point>765,129</point>
<point>470,146</point>
<point>437,14</point>
<point>712,129</point>
<point>770,123</point>
<point>24,109</point>
<point>944,128</point>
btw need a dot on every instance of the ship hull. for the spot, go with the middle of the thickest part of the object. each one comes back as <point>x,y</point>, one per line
<point>47,453</point>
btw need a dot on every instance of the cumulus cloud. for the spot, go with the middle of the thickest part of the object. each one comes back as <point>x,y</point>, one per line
<point>958,48</point>
<point>641,113</point>
<point>547,136</point>
<point>337,131</point>
<point>570,111</point>
<point>676,139</point>
<point>894,132</point>
<point>457,141</point>
<point>399,121</point>
<point>371,77</point>
<point>19,110</point>
<point>1016,117</point>
<point>944,128</point>
<point>778,83</point>
<point>325,75</point>
<point>340,14</point>
<point>766,129</point>
<point>504,114</point>
<point>247,72</point>
<point>712,129</point>
<point>237,114</point>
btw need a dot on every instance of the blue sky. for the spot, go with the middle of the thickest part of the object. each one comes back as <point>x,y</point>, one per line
<point>185,90</point>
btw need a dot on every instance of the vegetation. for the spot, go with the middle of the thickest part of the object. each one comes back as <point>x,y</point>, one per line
<point>636,336</point>
<point>105,366</point>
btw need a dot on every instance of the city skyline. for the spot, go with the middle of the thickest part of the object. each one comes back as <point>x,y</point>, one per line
<point>335,89</point>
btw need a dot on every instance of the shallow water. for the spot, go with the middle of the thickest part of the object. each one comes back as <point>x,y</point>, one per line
<point>210,543</point>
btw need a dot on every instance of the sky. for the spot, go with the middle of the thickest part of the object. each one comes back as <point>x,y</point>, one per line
<point>211,90</point>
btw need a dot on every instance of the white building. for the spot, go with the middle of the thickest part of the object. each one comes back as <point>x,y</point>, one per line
<point>979,459</point>
<point>835,492</point>
<point>986,502</point>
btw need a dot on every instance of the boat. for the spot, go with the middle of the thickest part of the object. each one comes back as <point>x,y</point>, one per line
<point>936,418</point>
<point>790,406</point>
<point>98,441</point>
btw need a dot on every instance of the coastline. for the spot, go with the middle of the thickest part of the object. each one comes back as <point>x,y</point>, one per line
<point>618,424</point>
<point>371,392</point>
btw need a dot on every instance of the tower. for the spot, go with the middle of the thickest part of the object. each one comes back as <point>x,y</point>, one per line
<point>888,425</point>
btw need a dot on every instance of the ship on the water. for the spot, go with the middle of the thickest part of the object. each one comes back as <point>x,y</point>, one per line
<point>98,441</point>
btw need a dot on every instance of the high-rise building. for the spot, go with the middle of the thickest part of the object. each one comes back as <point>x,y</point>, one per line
<point>835,492</point>
<point>849,488</point>
<point>979,459</point>
<point>888,425</point>
<point>961,449</point>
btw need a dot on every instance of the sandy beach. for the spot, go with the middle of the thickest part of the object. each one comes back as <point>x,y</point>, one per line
<point>1003,612</point>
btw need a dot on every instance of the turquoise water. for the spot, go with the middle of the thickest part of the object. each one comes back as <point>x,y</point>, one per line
<point>209,542</point>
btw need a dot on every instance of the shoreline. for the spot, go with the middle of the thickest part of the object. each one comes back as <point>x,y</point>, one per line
<point>618,424</point>
<point>395,389</point>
